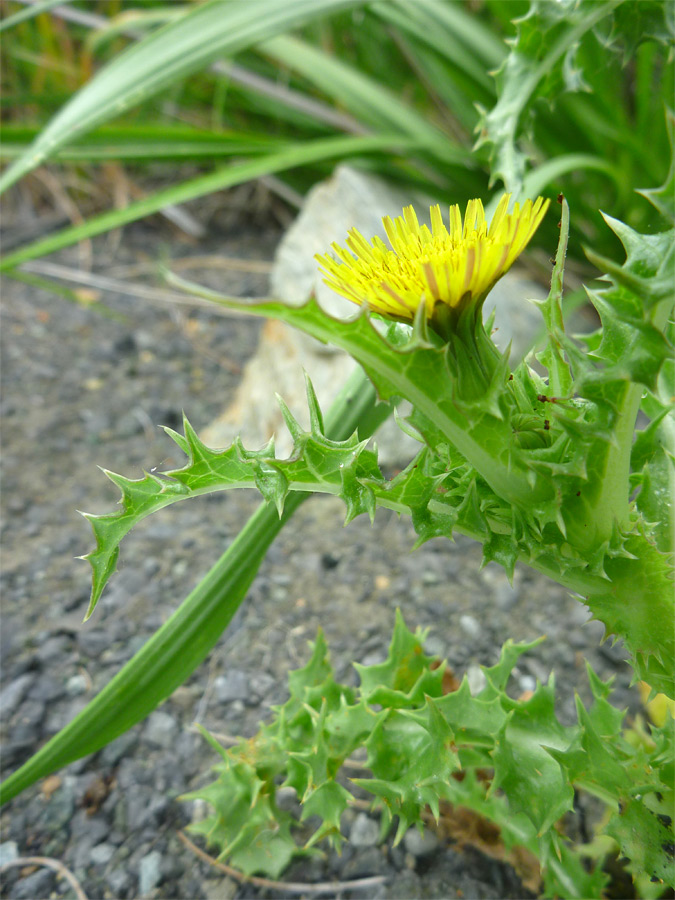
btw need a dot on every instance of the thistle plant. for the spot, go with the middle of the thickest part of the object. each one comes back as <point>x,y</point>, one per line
<point>565,465</point>
<point>539,469</point>
<point>545,469</point>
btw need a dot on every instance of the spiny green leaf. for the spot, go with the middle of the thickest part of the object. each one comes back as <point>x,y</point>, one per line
<point>646,840</point>
<point>534,782</point>
<point>342,467</point>
<point>405,663</point>
<point>542,63</point>
<point>663,197</point>
<point>435,749</point>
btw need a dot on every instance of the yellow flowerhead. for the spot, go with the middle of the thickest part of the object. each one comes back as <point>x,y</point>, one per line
<point>455,268</point>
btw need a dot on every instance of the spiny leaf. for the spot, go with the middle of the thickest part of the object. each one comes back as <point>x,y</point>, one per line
<point>341,467</point>
<point>438,749</point>
<point>663,197</point>
<point>542,63</point>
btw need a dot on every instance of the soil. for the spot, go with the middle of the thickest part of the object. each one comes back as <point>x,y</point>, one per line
<point>84,388</point>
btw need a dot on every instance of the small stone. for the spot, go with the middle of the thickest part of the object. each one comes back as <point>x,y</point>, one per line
<point>149,872</point>
<point>430,577</point>
<point>435,646</point>
<point>233,686</point>
<point>38,884</point>
<point>93,643</point>
<point>420,844</point>
<point>101,854</point>
<point>161,729</point>
<point>59,810</point>
<point>8,852</point>
<point>93,828</point>
<point>55,647</point>
<point>261,683</point>
<point>365,832</point>
<point>527,683</point>
<point>470,626</point>
<point>46,690</point>
<point>219,889</point>
<point>476,678</point>
<point>12,694</point>
<point>368,861</point>
<point>121,746</point>
<point>184,697</point>
<point>119,881</point>
<point>76,685</point>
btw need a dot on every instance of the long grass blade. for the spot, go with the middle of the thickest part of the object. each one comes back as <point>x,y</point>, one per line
<point>289,158</point>
<point>208,31</point>
<point>41,6</point>
<point>362,96</point>
<point>145,142</point>
<point>460,38</point>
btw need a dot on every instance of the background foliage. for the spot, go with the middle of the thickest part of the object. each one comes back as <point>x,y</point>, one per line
<point>449,97</point>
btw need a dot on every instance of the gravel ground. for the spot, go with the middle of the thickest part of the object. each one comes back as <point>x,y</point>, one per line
<point>81,390</point>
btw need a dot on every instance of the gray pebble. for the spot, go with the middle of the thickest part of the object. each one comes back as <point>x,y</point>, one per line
<point>29,722</point>
<point>365,831</point>
<point>232,686</point>
<point>161,729</point>
<point>101,854</point>
<point>13,693</point>
<point>91,828</point>
<point>476,678</point>
<point>119,882</point>
<point>506,595</point>
<point>46,689</point>
<point>93,643</point>
<point>261,683</point>
<point>149,872</point>
<point>527,682</point>
<point>470,626</point>
<point>121,746</point>
<point>8,852</point>
<point>366,862</point>
<point>55,647</point>
<point>435,646</point>
<point>219,888</point>
<point>37,884</point>
<point>59,811</point>
<point>76,685</point>
<point>420,844</point>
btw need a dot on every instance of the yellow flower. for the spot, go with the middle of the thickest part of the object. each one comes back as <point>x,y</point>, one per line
<point>455,268</point>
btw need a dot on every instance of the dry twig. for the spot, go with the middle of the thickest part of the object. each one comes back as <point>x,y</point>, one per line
<point>291,887</point>
<point>49,863</point>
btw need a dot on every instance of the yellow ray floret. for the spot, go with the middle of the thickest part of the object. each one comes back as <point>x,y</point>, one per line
<point>455,266</point>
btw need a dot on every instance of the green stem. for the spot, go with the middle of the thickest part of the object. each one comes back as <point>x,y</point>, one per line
<point>610,506</point>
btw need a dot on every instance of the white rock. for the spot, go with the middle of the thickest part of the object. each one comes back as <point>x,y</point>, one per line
<point>365,832</point>
<point>476,679</point>
<point>470,626</point>
<point>420,844</point>
<point>8,852</point>
<point>149,872</point>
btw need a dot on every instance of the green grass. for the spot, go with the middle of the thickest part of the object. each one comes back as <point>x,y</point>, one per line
<point>570,104</point>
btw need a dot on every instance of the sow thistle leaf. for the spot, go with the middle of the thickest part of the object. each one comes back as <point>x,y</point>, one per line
<point>317,463</point>
<point>436,749</point>
<point>542,64</point>
<point>646,840</point>
<point>663,197</point>
<point>405,663</point>
<point>533,781</point>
